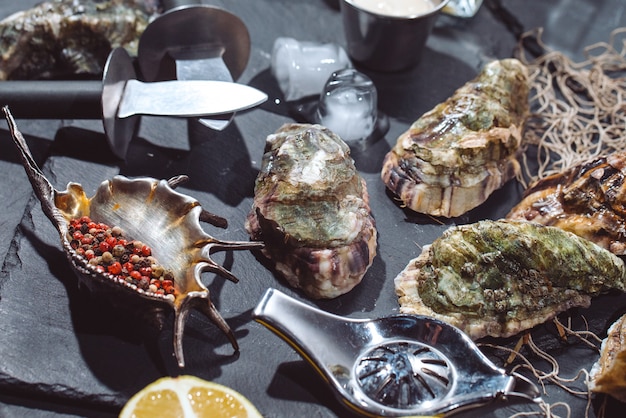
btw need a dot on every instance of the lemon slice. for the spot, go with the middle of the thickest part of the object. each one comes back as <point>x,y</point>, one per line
<point>188,396</point>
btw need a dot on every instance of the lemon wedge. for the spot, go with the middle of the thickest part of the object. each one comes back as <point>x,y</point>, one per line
<point>187,397</point>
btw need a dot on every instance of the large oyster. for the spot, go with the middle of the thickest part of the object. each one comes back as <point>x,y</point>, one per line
<point>588,200</point>
<point>608,374</point>
<point>60,38</point>
<point>498,278</point>
<point>454,156</point>
<point>312,211</point>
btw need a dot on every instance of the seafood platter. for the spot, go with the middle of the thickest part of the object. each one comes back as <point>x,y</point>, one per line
<point>459,250</point>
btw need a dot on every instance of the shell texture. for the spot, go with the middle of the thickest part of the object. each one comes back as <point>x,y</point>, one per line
<point>608,374</point>
<point>588,200</point>
<point>498,278</point>
<point>311,209</point>
<point>151,211</point>
<point>453,157</point>
<point>60,38</point>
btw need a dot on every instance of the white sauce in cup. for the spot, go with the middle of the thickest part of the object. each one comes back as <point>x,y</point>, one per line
<point>397,8</point>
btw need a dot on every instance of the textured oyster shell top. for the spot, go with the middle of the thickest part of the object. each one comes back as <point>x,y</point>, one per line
<point>306,179</point>
<point>61,38</point>
<point>311,209</point>
<point>454,156</point>
<point>588,199</point>
<point>499,278</point>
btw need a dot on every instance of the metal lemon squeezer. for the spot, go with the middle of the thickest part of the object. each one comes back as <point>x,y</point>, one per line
<point>400,365</point>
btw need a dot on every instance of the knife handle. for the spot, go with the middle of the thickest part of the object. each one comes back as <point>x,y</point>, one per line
<point>44,99</point>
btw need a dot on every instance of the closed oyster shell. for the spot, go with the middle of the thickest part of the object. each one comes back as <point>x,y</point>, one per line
<point>311,208</point>
<point>454,156</point>
<point>60,38</point>
<point>499,278</point>
<point>588,200</point>
<point>608,374</point>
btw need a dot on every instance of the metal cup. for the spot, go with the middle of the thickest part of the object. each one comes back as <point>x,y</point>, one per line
<point>386,43</point>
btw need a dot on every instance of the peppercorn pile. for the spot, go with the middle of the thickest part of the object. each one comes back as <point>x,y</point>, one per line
<point>109,251</point>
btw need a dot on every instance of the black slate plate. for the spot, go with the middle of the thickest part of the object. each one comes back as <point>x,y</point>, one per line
<point>67,352</point>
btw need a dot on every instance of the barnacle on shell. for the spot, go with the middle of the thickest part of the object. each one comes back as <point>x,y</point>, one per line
<point>499,278</point>
<point>311,209</point>
<point>151,211</point>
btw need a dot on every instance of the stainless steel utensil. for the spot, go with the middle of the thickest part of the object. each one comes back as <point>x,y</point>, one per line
<point>401,365</point>
<point>120,97</point>
<point>195,42</point>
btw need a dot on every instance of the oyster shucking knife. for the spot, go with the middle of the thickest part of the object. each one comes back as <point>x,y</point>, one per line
<point>120,97</point>
<point>396,366</point>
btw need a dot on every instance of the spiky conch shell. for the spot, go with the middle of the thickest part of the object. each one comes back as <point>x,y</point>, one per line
<point>498,278</point>
<point>455,156</point>
<point>311,209</point>
<point>148,210</point>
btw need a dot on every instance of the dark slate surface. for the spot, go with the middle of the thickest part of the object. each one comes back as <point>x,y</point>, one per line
<point>66,352</point>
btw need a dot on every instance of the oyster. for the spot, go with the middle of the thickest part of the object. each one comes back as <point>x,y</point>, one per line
<point>608,374</point>
<point>173,234</point>
<point>498,278</point>
<point>588,200</point>
<point>454,156</point>
<point>311,209</point>
<point>60,38</point>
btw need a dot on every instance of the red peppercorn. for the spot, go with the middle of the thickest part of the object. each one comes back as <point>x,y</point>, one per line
<point>146,251</point>
<point>129,267</point>
<point>145,271</point>
<point>135,275</point>
<point>77,235</point>
<point>115,268</point>
<point>85,219</point>
<point>112,241</point>
<point>104,246</point>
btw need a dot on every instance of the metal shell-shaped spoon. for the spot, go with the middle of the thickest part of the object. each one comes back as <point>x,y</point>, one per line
<point>397,366</point>
<point>151,211</point>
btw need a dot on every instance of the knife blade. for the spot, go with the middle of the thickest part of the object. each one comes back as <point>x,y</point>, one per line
<point>187,98</point>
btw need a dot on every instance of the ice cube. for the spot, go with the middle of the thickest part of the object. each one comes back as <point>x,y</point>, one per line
<point>348,105</point>
<point>302,68</point>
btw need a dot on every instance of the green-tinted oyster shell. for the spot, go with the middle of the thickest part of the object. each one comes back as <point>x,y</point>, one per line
<point>498,278</point>
<point>311,209</point>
